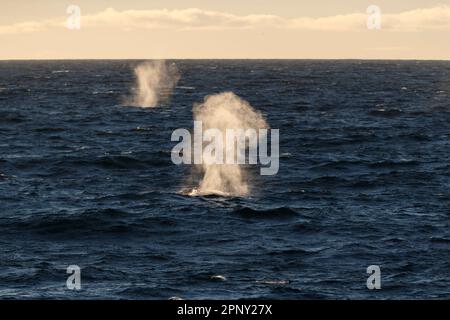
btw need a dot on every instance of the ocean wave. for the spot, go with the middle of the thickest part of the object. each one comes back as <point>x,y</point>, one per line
<point>305,227</point>
<point>89,221</point>
<point>273,282</point>
<point>384,112</point>
<point>441,240</point>
<point>49,129</point>
<point>275,213</point>
<point>11,117</point>
<point>104,162</point>
<point>393,163</point>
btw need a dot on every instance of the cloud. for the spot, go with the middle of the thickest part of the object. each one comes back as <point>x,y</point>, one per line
<point>178,19</point>
<point>435,18</point>
<point>32,26</point>
<point>25,27</point>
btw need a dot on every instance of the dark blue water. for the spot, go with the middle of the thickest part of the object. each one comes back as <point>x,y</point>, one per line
<point>364,180</point>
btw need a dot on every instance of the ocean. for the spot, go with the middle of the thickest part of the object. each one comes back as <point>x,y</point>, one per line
<point>364,179</point>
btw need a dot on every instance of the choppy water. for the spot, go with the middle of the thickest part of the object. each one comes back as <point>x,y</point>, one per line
<point>364,180</point>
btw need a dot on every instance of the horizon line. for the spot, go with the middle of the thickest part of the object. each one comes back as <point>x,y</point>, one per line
<point>130,59</point>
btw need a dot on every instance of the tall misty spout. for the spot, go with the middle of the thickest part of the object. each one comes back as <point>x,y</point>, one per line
<point>223,112</point>
<point>155,81</point>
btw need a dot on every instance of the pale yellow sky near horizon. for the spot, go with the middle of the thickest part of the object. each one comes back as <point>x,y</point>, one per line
<point>251,29</point>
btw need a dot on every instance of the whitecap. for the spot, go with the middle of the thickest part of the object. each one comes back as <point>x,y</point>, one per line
<point>185,88</point>
<point>218,277</point>
<point>273,282</point>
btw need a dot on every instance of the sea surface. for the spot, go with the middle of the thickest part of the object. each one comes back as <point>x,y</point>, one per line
<point>364,180</point>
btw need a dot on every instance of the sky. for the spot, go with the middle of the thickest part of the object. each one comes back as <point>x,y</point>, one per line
<point>216,29</point>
